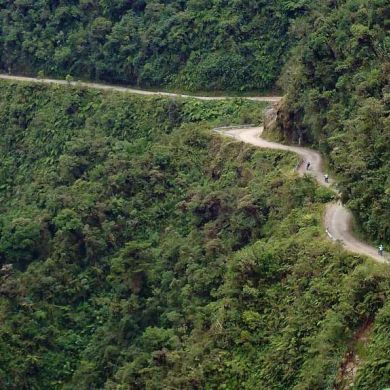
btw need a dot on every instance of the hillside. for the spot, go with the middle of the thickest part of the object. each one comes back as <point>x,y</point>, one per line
<point>140,250</point>
<point>191,45</point>
<point>148,253</point>
<point>337,84</point>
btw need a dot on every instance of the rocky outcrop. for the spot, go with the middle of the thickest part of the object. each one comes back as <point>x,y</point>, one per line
<point>270,117</point>
<point>281,119</point>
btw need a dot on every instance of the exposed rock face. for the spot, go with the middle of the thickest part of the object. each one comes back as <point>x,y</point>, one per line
<point>281,119</point>
<point>270,117</point>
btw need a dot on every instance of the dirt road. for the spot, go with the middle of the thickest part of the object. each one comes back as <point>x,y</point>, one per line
<point>108,87</point>
<point>338,219</point>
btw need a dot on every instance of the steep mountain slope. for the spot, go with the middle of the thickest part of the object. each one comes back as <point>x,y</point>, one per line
<point>147,253</point>
<point>197,44</point>
<point>337,218</point>
<point>140,251</point>
<point>337,86</point>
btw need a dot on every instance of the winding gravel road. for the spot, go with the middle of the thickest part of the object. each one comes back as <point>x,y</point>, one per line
<point>337,219</point>
<point>108,87</point>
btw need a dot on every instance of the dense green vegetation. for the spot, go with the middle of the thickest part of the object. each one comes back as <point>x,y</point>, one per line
<point>140,251</point>
<point>196,44</point>
<point>338,99</point>
<point>148,253</point>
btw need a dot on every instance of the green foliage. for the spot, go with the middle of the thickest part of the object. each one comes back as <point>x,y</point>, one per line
<point>374,372</point>
<point>140,251</point>
<point>20,240</point>
<point>193,45</point>
<point>338,100</point>
<point>149,253</point>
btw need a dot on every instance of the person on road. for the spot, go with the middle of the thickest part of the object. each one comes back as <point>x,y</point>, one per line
<point>326,177</point>
<point>380,249</point>
<point>308,165</point>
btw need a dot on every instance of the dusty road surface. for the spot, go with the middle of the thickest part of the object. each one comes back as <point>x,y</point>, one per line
<point>108,87</point>
<point>338,219</point>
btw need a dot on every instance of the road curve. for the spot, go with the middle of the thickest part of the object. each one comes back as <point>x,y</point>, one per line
<point>108,87</point>
<point>337,219</point>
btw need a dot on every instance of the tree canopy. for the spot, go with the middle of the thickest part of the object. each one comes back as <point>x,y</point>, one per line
<point>337,84</point>
<point>139,251</point>
<point>194,45</point>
